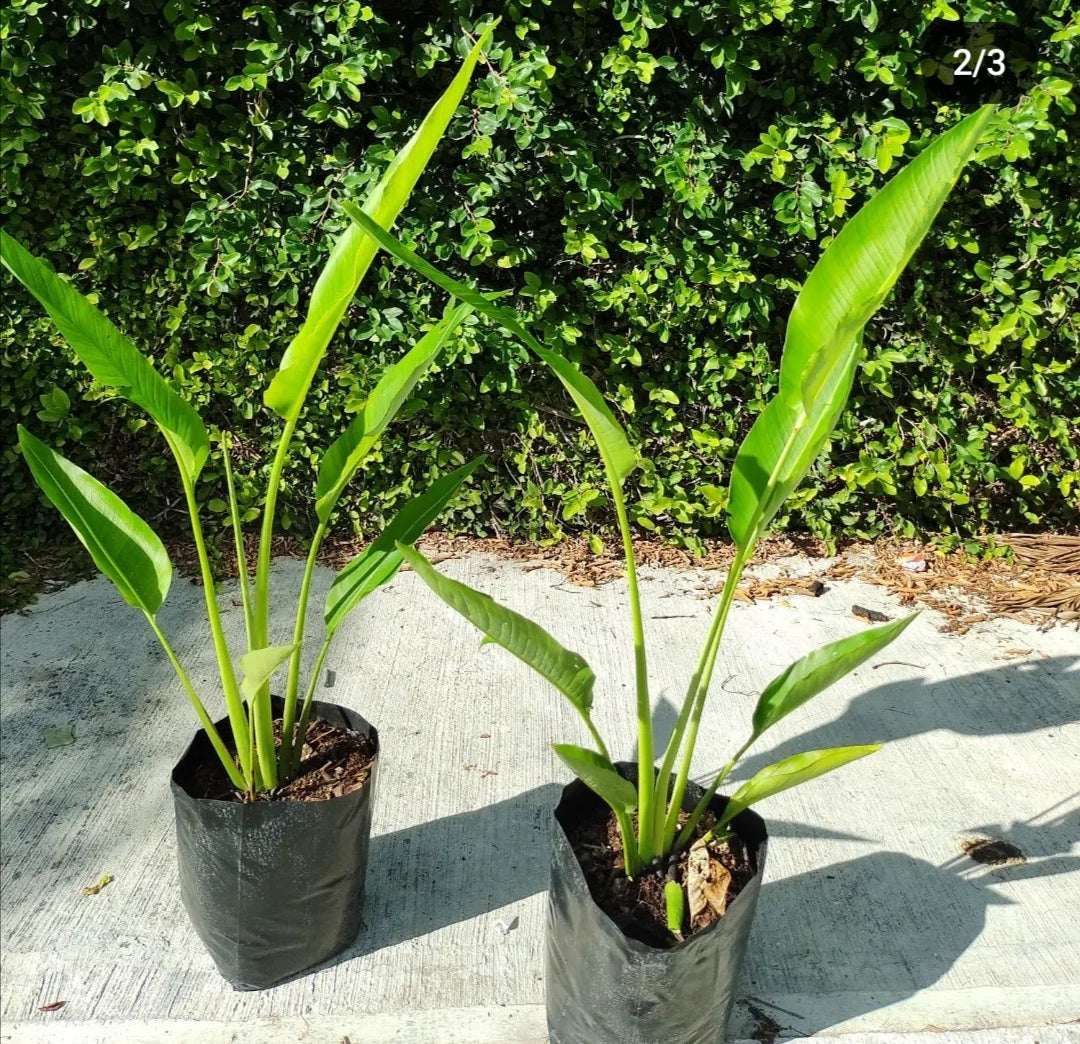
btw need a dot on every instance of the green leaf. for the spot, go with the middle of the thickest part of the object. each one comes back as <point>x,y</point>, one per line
<point>386,398</point>
<point>815,672</point>
<point>529,642</point>
<point>258,667</point>
<point>599,775</point>
<point>790,772</point>
<point>821,349</point>
<point>121,544</point>
<point>380,560</point>
<point>353,252</point>
<point>615,449</point>
<point>109,356</point>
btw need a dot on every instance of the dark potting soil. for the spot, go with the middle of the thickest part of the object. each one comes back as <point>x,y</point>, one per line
<point>638,906</point>
<point>334,761</point>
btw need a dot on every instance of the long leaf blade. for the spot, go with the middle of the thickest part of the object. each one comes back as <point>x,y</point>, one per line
<point>380,560</point>
<point>816,671</point>
<point>790,772</point>
<point>386,398</point>
<point>615,449</point>
<point>109,356</point>
<point>847,285</point>
<point>353,252</point>
<point>259,665</point>
<point>121,544</point>
<point>529,642</point>
<point>779,449</point>
<point>599,775</point>
<point>860,267</point>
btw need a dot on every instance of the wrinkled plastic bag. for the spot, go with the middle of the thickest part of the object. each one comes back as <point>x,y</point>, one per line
<point>273,887</point>
<point>604,988</point>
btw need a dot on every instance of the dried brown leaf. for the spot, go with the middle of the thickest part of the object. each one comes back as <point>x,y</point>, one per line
<point>707,883</point>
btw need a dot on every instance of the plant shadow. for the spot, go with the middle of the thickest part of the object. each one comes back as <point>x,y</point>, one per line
<point>427,877</point>
<point>835,944</point>
<point>1004,701</point>
<point>851,938</point>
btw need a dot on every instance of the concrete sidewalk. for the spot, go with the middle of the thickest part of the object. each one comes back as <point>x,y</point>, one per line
<point>872,923</point>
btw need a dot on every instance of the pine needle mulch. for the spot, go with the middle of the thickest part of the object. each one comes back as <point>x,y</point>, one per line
<point>1041,585</point>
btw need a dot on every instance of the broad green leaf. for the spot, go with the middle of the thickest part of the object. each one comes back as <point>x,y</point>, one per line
<point>777,452</point>
<point>857,271</point>
<point>386,398</point>
<point>599,775</point>
<point>615,449</point>
<point>109,356</point>
<point>816,671</point>
<point>258,667</point>
<point>619,457</point>
<point>529,642</point>
<point>380,560</point>
<point>822,344</point>
<point>121,544</point>
<point>790,772</point>
<point>353,252</point>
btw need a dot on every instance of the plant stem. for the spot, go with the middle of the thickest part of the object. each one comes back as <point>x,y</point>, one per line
<point>305,713</point>
<point>663,780</point>
<point>266,537</point>
<point>645,846</point>
<point>699,809</point>
<point>260,710</point>
<point>600,747</point>
<point>241,557</point>
<point>262,715</point>
<point>288,720</point>
<point>233,700</point>
<point>693,705</point>
<point>227,761</point>
<point>631,859</point>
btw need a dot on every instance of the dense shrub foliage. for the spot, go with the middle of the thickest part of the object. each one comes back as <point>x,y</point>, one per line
<point>654,178</point>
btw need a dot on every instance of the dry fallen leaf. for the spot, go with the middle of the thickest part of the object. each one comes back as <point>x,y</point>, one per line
<point>54,1006</point>
<point>95,888</point>
<point>707,881</point>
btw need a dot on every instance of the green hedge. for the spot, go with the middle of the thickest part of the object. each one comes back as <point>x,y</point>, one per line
<point>654,178</point>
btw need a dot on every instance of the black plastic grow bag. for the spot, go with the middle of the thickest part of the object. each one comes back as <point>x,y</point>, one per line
<point>272,887</point>
<point>605,988</point>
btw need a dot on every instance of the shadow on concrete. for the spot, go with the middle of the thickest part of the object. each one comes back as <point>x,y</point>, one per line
<point>426,877</point>
<point>863,934</point>
<point>1007,700</point>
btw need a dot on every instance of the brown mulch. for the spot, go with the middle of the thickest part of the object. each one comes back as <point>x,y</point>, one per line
<point>1040,585</point>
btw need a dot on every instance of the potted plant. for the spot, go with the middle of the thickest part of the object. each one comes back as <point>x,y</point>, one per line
<point>654,880</point>
<point>273,802</point>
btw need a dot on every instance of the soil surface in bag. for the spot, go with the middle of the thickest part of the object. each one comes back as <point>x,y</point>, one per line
<point>604,986</point>
<point>275,886</point>
<point>335,761</point>
<point>711,875</point>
